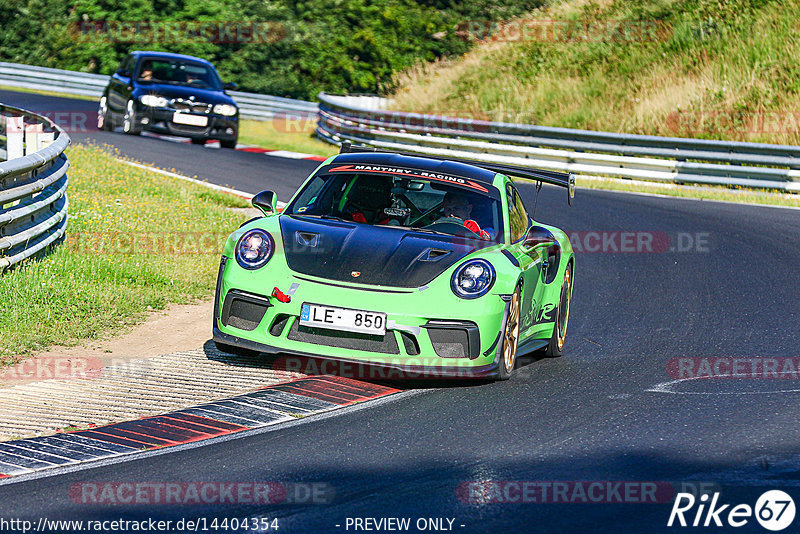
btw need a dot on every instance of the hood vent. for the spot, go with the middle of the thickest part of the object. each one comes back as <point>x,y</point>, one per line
<point>307,239</point>
<point>433,254</point>
<point>385,256</point>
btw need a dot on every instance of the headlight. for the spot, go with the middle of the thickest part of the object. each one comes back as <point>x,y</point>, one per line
<point>254,249</point>
<point>473,279</point>
<point>154,101</point>
<point>225,109</point>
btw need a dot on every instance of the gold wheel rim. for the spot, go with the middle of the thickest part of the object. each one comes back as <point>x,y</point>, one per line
<point>562,333</point>
<point>512,334</point>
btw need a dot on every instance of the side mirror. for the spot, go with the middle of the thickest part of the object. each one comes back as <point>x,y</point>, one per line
<point>267,202</point>
<point>229,86</point>
<point>537,238</point>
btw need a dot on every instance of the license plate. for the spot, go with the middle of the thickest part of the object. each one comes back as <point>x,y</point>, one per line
<point>364,322</point>
<point>192,120</point>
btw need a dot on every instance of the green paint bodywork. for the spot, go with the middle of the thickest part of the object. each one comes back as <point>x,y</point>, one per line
<point>407,308</point>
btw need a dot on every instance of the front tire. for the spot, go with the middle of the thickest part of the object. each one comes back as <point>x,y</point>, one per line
<point>103,117</point>
<point>129,125</point>
<point>510,337</point>
<point>228,144</point>
<point>556,345</point>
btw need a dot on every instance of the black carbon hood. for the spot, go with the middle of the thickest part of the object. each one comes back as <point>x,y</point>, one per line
<point>385,256</point>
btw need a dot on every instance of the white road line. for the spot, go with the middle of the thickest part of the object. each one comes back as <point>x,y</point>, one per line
<point>215,187</point>
<point>667,387</point>
<point>237,192</point>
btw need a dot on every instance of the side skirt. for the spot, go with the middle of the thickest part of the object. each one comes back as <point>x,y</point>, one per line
<point>531,345</point>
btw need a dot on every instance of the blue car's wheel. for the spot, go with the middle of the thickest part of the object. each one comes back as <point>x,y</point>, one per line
<point>103,117</point>
<point>129,125</point>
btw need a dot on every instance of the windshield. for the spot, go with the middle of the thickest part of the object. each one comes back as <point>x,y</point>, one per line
<point>176,72</point>
<point>392,200</point>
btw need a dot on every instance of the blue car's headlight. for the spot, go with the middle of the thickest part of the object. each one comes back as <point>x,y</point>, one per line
<point>254,249</point>
<point>153,101</point>
<point>472,279</point>
<point>225,109</point>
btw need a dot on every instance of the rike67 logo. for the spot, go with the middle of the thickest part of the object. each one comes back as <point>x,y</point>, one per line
<point>774,510</point>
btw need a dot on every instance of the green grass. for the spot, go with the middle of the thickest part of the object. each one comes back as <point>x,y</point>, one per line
<point>137,241</point>
<point>280,134</point>
<point>721,69</point>
<point>713,69</point>
<point>46,93</point>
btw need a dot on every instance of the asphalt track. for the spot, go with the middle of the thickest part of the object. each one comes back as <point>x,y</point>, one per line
<point>605,411</point>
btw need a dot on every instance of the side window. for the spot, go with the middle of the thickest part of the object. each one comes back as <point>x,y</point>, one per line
<point>125,66</point>
<point>130,65</point>
<point>517,216</point>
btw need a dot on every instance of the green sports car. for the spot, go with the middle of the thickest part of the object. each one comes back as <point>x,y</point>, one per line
<point>425,266</point>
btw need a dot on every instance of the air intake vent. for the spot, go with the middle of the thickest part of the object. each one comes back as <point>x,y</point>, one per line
<point>307,239</point>
<point>433,254</point>
<point>243,310</point>
<point>386,344</point>
<point>278,324</point>
<point>454,339</point>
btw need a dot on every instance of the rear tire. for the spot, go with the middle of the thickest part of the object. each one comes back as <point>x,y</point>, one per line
<point>228,144</point>
<point>196,141</point>
<point>230,349</point>
<point>556,345</point>
<point>510,341</point>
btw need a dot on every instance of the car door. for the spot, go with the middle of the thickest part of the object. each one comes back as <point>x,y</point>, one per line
<point>120,86</point>
<point>529,261</point>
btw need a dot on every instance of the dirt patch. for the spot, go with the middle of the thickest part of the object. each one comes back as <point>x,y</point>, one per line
<point>175,329</point>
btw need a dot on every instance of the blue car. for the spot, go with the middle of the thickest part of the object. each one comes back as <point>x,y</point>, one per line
<point>171,94</point>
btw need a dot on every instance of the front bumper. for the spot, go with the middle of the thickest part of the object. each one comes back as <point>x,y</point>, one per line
<point>305,362</point>
<point>160,120</point>
<point>422,339</point>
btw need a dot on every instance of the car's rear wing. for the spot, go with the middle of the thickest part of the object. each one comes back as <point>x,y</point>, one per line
<point>561,179</point>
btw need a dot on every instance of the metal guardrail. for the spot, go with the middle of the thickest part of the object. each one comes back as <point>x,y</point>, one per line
<point>583,152</point>
<point>251,105</point>
<point>33,187</point>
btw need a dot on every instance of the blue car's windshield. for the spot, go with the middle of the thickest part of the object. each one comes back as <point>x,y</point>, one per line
<point>393,200</point>
<point>175,72</point>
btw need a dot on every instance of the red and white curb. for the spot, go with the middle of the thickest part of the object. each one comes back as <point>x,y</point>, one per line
<point>241,148</point>
<point>268,406</point>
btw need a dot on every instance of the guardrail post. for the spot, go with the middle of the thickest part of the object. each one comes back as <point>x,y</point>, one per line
<point>32,132</point>
<point>14,137</point>
<point>46,139</point>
